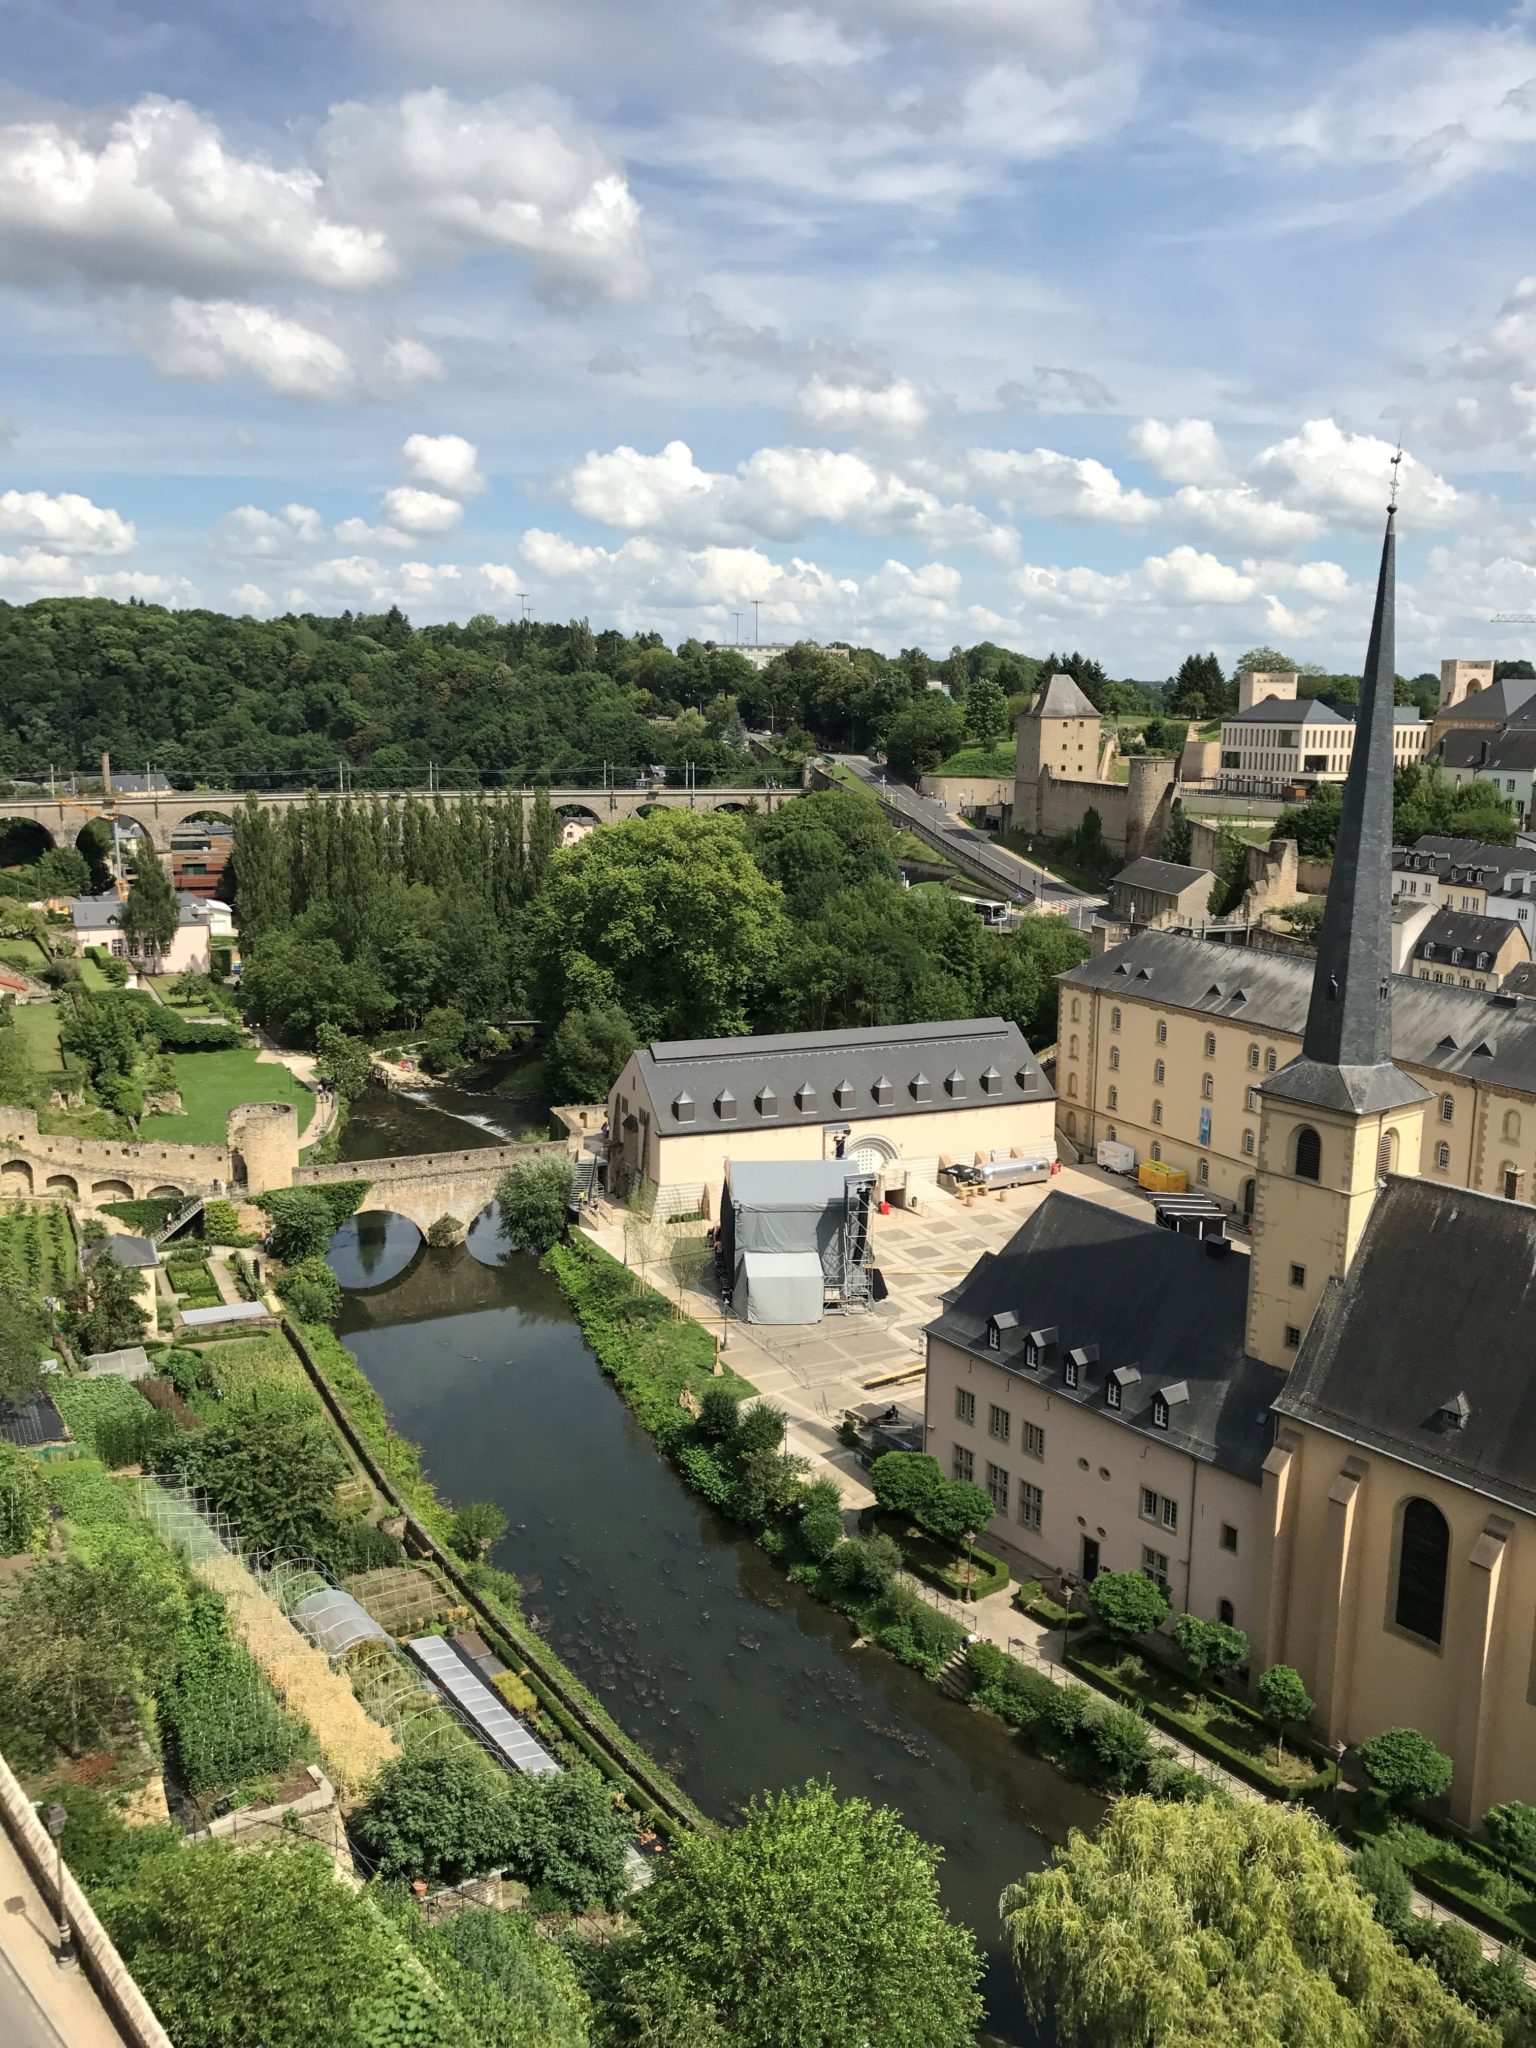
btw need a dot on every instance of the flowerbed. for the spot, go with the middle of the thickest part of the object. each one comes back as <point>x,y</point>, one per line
<point>1447,1865</point>
<point>1225,1729</point>
<point>939,1562</point>
<point>1032,1599</point>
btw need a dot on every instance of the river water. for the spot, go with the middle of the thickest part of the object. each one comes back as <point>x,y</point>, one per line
<point>693,1639</point>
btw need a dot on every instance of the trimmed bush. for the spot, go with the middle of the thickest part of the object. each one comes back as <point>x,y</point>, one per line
<point>1127,1604</point>
<point>1512,1830</point>
<point>1404,1765</point>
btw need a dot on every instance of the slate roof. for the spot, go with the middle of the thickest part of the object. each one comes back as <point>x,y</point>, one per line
<point>1438,1302</point>
<point>882,1072</point>
<point>97,913</point>
<point>1511,751</point>
<point>1499,702</point>
<point>127,1249</point>
<point>1151,1301</point>
<point>1287,711</point>
<point>1061,698</point>
<point>1449,930</point>
<point>1435,1028</point>
<point>1521,980</point>
<point>1166,877</point>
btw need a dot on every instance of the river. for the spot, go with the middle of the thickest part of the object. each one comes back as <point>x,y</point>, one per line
<point>693,1639</point>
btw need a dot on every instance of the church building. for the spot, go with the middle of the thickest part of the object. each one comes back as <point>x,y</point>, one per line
<point>1330,1441</point>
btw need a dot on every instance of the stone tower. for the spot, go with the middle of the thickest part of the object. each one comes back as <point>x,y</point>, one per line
<point>1148,803</point>
<point>263,1145</point>
<point>1340,1114</point>
<point>1460,680</point>
<point>1060,733</point>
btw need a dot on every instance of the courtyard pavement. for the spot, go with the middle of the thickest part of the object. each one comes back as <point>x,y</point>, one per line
<point>817,1372</point>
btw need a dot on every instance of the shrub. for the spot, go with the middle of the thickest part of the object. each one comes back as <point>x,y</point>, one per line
<point>759,1427</point>
<point>719,1415</point>
<point>821,1525</point>
<point>302,1223</point>
<point>865,1566</point>
<point>184,1369</point>
<point>1404,1765</point>
<point>1127,1604</point>
<point>1512,1830</point>
<point>1007,1687</point>
<point>23,1502</point>
<point>310,1291</point>
<point>1167,1778</point>
<point>704,1472</point>
<point>477,1527</point>
<point>1119,1739</point>
<point>1064,1712</point>
<point>221,1225</point>
<point>905,1482</point>
<point>445,1232</point>
<point>917,1633</point>
<point>99,1846</point>
<point>1377,1871</point>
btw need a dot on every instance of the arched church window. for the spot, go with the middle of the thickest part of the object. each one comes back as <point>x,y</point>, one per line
<point>1423,1555</point>
<point>1309,1154</point>
<point>1512,1125</point>
<point>1270,1061</point>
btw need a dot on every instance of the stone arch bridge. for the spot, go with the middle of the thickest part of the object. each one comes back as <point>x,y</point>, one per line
<point>158,815</point>
<point>425,1186</point>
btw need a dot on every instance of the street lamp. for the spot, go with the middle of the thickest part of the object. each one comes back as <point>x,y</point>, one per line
<point>55,1819</point>
<point>970,1563</point>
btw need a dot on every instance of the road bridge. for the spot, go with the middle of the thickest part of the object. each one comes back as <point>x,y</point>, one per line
<point>160,813</point>
<point>424,1186</point>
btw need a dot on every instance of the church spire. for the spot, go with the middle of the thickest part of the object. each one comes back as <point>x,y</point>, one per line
<point>1346,1055</point>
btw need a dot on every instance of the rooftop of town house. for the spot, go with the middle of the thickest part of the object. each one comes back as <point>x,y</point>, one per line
<point>1463,938</point>
<point>1163,877</point>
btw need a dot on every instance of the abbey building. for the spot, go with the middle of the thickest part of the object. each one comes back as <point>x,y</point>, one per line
<point>1329,1440</point>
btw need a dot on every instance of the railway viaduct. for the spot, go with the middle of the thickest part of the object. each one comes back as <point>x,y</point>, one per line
<point>158,815</point>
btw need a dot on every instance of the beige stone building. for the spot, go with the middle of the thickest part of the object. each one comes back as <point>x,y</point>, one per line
<point>900,1100</point>
<point>1330,1440</point>
<point>1064,761</point>
<point>1466,951</point>
<point>1153,894</point>
<point>1276,744</point>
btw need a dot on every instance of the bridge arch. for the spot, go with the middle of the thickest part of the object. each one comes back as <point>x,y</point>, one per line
<point>374,1247</point>
<point>579,814</point>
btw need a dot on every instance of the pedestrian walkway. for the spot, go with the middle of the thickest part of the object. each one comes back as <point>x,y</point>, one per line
<point>41,2006</point>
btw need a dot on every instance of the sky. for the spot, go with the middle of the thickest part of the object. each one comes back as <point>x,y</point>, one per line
<point>1062,323</point>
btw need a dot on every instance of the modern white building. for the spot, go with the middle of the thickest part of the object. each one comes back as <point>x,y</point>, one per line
<point>1279,743</point>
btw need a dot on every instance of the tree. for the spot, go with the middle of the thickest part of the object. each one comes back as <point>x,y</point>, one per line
<point>816,1920</point>
<point>311,1291</point>
<point>477,1527</point>
<point>588,1053</point>
<point>960,1509</point>
<point>1512,1830</point>
<point>104,1311</point>
<point>1090,849</point>
<point>344,1063</point>
<point>23,1340</point>
<point>668,915</point>
<point>1265,661</point>
<point>759,1428</point>
<point>865,1566</point>
<point>274,1474</point>
<point>768,1484</point>
<point>986,713</point>
<point>1217,1921</point>
<point>23,1502</point>
<point>1405,1766</point>
<point>565,1836</point>
<point>1127,1605</point>
<point>302,1224</point>
<point>821,1519</point>
<point>200,1928</point>
<point>442,1815</point>
<point>1176,835</point>
<point>1284,1699</point>
<point>905,1482</point>
<point>719,1414</point>
<point>63,871</point>
<point>1211,1648</point>
<point>533,1196</point>
<point>151,916</point>
<point>925,734</point>
<point>1231,876</point>
<point>443,1031</point>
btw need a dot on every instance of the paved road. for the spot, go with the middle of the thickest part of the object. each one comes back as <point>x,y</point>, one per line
<point>1013,877</point>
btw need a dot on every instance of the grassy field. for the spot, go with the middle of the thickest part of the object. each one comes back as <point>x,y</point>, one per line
<point>91,977</point>
<point>214,1083</point>
<point>26,954</point>
<point>38,1026</point>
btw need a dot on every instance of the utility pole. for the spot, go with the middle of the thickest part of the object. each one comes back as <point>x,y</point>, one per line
<point>522,598</point>
<point>756,636</point>
<point>737,617</point>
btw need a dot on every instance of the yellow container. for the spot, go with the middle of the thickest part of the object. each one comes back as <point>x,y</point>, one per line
<point>1161,1178</point>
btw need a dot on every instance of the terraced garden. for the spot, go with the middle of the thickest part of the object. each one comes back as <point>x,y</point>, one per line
<point>37,1250</point>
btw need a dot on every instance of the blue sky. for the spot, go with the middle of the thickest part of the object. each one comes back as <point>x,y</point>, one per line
<point>1066,323</point>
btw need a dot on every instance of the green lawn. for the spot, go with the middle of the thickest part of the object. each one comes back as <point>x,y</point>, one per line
<point>26,954</point>
<point>92,977</point>
<point>38,1026</point>
<point>214,1083</point>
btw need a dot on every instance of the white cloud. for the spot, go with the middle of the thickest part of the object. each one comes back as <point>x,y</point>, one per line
<point>1182,451</point>
<point>1346,476</point>
<point>1497,414</point>
<point>250,598</point>
<point>407,362</point>
<point>442,177</point>
<point>224,337</point>
<point>1045,484</point>
<point>1187,594</point>
<point>1237,515</point>
<point>156,195</point>
<point>777,492</point>
<point>357,580</point>
<point>416,511</point>
<point>249,533</point>
<point>37,573</point>
<point>444,462</point>
<point>67,524</point>
<point>797,38</point>
<point>895,407</point>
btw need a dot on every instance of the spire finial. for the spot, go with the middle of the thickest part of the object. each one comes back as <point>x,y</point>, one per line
<point>1396,464</point>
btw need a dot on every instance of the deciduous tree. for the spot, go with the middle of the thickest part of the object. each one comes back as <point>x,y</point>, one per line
<point>532,1198</point>
<point>151,916</point>
<point>1127,1604</point>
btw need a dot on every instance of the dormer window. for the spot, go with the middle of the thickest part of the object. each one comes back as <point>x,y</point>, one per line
<point>954,1086</point>
<point>805,1099</point>
<point>991,1081</point>
<point>1038,1345</point>
<point>922,1088</point>
<point>883,1093</point>
<point>683,1108</point>
<point>1005,1319</point>
<point>1456,956</point>
<point>1456,1413</point>
<point>767,1102</point>
<point>1159,1412</point>
<point>994,1336</point>
<point>1119,1380</point>
<point>1112,1393</point>
<point>844,1094</point>
<point>725,1106</point>
<point>1071,1370</point>
<point>1482,960</point>
<point>1429,949</point>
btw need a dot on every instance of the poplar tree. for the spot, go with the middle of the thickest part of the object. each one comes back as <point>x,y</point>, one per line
<point>150,916</point>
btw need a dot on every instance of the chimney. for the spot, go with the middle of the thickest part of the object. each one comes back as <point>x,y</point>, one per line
<point>106,773</point>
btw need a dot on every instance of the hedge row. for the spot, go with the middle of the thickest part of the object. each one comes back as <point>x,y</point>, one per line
<point>1198,1736</point>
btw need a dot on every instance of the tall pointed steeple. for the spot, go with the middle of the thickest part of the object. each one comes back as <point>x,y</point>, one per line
<point>1345,1060</point>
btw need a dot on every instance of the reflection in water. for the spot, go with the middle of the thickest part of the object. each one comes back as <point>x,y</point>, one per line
<point>692,1637</point>
<point>373,1249</point>
<point>382,1122</point>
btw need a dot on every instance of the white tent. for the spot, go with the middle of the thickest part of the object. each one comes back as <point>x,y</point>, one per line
<point>779,1287</point>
